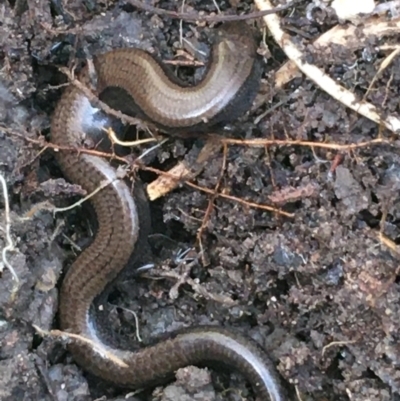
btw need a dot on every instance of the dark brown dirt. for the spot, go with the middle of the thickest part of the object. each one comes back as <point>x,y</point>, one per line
<point>319,291</point>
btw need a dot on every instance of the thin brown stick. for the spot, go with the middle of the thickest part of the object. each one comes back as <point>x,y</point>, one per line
<point>210,205</point>
<point>251,142</point>
<point>276,142</point>
<point>97,102</point>
<point>220,195</point>
<point>194,17</point>
<point>44,144</point>
<point>242,201</point>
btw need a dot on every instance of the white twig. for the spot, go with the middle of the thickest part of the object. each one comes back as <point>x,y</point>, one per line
<point>102,185</point>
<point>344,35</point>
<point>9,242</point>
<point>136,321</point>
<point>319,77</point>
<point>146,152</point>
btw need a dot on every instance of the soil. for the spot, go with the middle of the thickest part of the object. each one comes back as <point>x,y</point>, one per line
<point>319,291</point>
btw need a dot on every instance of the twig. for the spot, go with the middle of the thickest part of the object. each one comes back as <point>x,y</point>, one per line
<point>56,147</point>
<point>220,195</point>
<point>135,316</point>
<point>46,205</point>
<point>113,137</point>
<point>167,182</point>
<point>271,142</point>
<point>192,17</point>
<point>333,343</point>
<point>325,82</point>
<point>147,151</point>
<point>10,244</point>
<point>298,395</point>
<point>241,201</point>
<point>184,278</point>
<point>95,346</point>
<point>211,204</point>
<point>385,63</point>
<point>180,173</point>
<point>96,101</point>
<point>344,36</point>
<point>102,185</point>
